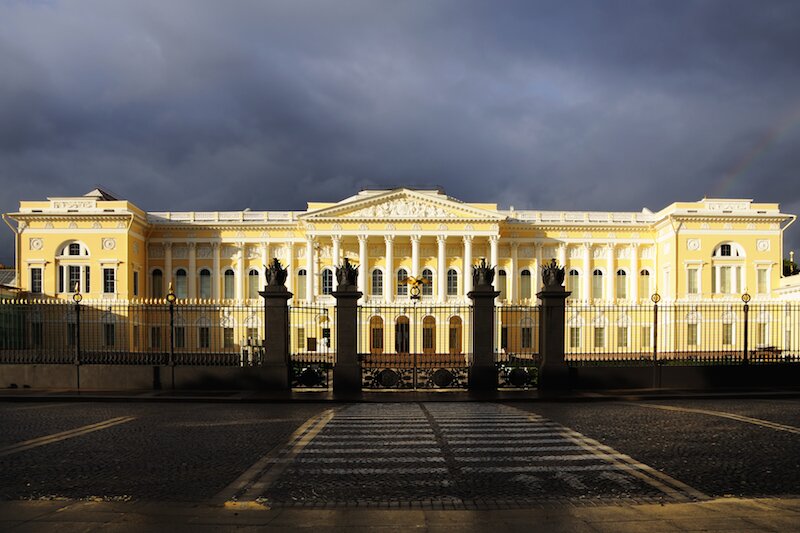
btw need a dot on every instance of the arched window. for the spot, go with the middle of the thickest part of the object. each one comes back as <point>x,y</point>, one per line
<point>327,281</point>
<point>205,283</point>
<point>644,284</point>
<point>727,271</point>
<point>622,284</point>
<point>181,284</point>
<point>376,335</point>
<point>157,284</point>
<point>301,284</point>
<point>427,287</point>
<point>252,284</point>
<point>401,335</point>
<point>501,284</point>
<point>456,330</point>
<point>597,283</point>
<point>377,282</point>
<point>525,284</point>
<point>574,284</point>
<point>452,282</point>
<point>229,285</point>
<point>74,248</point>
<point>402,284</point>
<point>428,335</point>
<point>73,276</point>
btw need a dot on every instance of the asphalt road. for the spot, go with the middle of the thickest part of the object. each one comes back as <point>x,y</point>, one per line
<point>452,455</point>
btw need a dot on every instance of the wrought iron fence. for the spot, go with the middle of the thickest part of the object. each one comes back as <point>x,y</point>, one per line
<point>702,333</point>
<point>517,346</point>
<point>312,351</point>
<point>143,332</point>
<point>415,345</point>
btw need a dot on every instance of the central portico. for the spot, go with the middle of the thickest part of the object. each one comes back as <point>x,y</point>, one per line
<point>399,233</point>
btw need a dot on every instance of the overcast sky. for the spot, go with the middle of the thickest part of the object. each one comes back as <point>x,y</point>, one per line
<point>596,105</point>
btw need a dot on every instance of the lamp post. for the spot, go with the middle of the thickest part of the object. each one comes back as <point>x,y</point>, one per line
<point>655,298</point>
<point>171,300</point>
<point>746,300</point>
<point>77,297</point>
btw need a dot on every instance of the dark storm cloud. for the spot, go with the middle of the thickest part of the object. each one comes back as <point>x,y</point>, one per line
<point>551,105</point>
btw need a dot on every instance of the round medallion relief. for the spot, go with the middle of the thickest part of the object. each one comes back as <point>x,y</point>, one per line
<point>36,244</point>
<point>109,244</point>
<point>762,245</point>
<point>693,244</point>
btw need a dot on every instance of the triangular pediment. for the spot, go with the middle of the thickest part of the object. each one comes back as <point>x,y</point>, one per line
<point>401,204</point>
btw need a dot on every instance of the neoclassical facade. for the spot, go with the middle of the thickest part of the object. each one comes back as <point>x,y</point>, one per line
<point>108,248</point>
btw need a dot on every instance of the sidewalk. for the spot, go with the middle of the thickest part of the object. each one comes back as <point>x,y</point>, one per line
<point>49,395</point>
<point>725,514</point>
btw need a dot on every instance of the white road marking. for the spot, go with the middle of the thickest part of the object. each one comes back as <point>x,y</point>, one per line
<point>722,414</point>
<point>56,437</point>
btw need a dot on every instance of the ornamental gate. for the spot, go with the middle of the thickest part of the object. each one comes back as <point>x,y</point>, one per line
<point>415,346</point>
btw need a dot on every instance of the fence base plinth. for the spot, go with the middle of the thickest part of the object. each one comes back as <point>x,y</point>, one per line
<point>347,378</point>
<point>554,377</point>
<point>483,378</point>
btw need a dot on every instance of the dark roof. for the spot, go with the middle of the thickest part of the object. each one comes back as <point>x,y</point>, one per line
<point>8,276</point>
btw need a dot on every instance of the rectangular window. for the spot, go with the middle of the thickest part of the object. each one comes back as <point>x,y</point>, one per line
<point>452,284</point>
<point>136,284</point>
<point>761,334</point>
<point>109,334</point>
<point>300,293</point>
<point>180,337</point>
<point>599,338</point>
<point>527,337</point>
<point>109,281</point>
<point>228,289</point>
<point>691,281</point>
<point>252,336</point>
<point>727,334</point>
<point>691,334</point>
<point>622,286</point>
<point>60,279</point>
<point>135,336</point>
<point>301,338</point>
<point>37,333</point>
<point>761,281</point>
<point>36,280</point>
<point>574,337</point>
<point>504,338</point>
<point>204,337</point>
<point>622,336</point>
<point>74,279</point>
<point>87,287</point>
<point>227,337</point>
<point>725,280</point>
<point>311,344</point>
<point>597,286</point>
<point>155,337</point>
<point>377,339</point>
<point>646,330</point>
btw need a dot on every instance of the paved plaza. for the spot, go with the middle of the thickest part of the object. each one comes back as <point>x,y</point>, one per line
<point>261,460</point>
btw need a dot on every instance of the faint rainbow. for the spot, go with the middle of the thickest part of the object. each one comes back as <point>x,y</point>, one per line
<point>760,148</point>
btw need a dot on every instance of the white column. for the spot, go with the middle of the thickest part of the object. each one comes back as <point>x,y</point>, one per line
<point>415,256</point>
<point>612,274</point>
<point>441,265</point>
<point>362,265</point>
<point>467,276</point>
<point>315,277</point>
<point>562,256</point>
<point>716,279</point>
<point>388,277</point>
<point>537,270</point>
<point>264,263</point>
<point>167,267</point>
<point>634,286</point>
<point>240,294</point>
<point>309,269</point>
<point>192,274</point>
<point>513,277</point>
<point>215,277</point>
<point>493,242</point>
<point>337,247</point>
<point>587,268</point>
<point>288,264</point>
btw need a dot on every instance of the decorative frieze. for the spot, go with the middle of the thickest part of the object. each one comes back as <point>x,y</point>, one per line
<point>401,208</point>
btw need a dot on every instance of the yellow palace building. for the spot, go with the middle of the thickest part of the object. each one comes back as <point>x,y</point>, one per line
<point>709,250</point>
